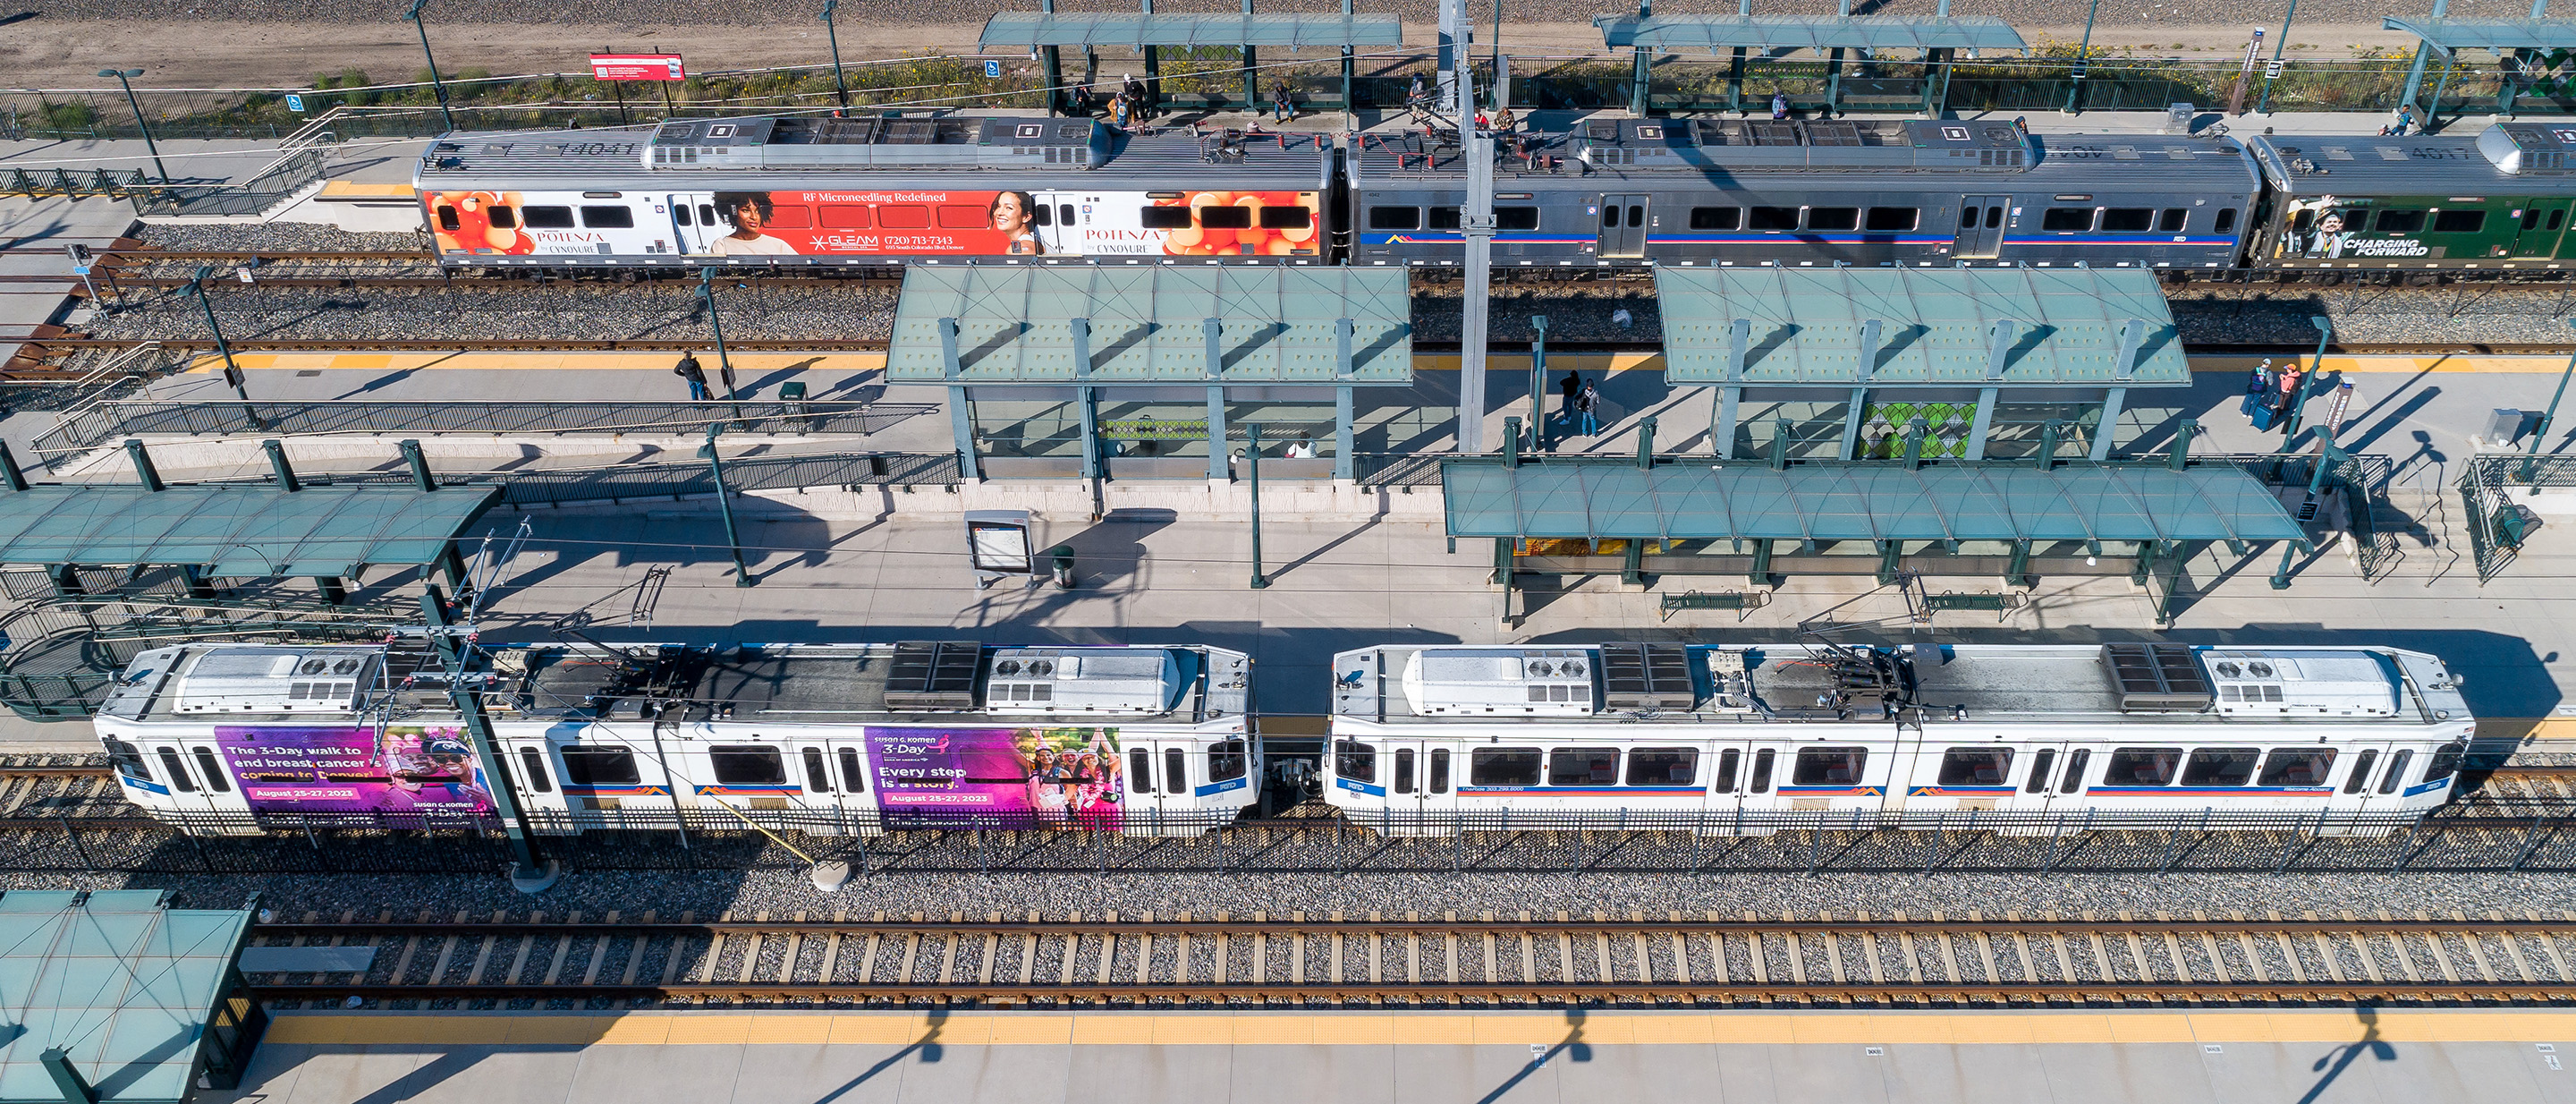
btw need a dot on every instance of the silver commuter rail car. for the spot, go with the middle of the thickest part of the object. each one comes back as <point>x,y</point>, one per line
<point>827,738</point>
<point>1432,739</point>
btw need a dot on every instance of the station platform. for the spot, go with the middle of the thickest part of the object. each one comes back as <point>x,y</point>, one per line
<point>1218,1057</point>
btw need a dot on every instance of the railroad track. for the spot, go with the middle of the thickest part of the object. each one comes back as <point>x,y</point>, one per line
<point>55,786</point>
<point>1303,959</point>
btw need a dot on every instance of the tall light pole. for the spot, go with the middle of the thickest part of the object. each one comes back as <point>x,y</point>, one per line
<point>2264,104</point>
<point>724,361</point>
<point>839,86</point>
<point>417,6</point>
<point>724,505</point>
<point>2531,456</point>
<point>232,371</point>
<point>1252,460</point>
<point>125,78</point>
<point>2083,59</point>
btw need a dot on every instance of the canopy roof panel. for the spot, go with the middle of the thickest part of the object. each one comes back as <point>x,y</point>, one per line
<point>1670,34</point>
<point>121,983</point>
<point>1935,326</point>
<point>2446,35</point>
<point>1148,324</point>
<point>1007,29</point>
<point>241,531</point>
<point>1846,501</point>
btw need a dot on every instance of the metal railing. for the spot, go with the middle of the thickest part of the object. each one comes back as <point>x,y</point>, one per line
<point>2497,524</point>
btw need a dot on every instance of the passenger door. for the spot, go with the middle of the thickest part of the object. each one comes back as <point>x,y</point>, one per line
<point>2541,225</point>
<point>2051,780</point>
<point>1623,226</point>
<point>693,220</point>
<point>1981,227</point>
<point>1421,783</point>
<point>195,776</point>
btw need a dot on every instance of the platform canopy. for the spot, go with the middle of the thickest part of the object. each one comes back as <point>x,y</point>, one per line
<point>1139,29</point>
<point>123,984</point>
<point>1952,327</point>
<point>242,531</point>
<point>1107,325</point>
<point>2444,36</point>
<point>1672,34</point>
<point>1860,501</point>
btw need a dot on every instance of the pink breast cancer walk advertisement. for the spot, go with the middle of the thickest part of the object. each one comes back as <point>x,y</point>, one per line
<point>402,768</point>
<point>1068,775</point>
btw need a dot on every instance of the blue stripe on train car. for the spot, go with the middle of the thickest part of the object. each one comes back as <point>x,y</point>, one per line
<point>147,787</point>
<point>1360,787</point>
<point>1949,791</point>
<point>1221,787</point>
<point>2426,787</point>
<point>1836,791</point>
<point>577,790</point>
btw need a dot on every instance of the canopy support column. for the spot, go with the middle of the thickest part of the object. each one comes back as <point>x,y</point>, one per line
<point>1637,74</point>
<point>1890,552</point>
<point>1345,465</point>
<point>1087,397</point>
<point>1761,574</point>
<point>2112,400</point>
<point>961,413</point>
<point>2017,573</point>
<point>1735,82</point>
<point>1721,441</point>
<point>1350,66</point>
<point>1982,423</point>
<point>1833,80</point>
<point>2415,70</point>
<point>1851,422</point>
<point>1219,470</point>
<point>1936,81</point>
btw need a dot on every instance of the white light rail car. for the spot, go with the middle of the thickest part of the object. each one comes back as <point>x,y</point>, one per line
<point>1429,739</point>
<point>820,737</point>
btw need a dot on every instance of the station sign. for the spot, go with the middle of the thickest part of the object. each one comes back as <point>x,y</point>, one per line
<point>637,67</point>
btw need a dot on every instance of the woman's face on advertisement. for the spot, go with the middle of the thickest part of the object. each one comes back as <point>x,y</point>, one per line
<point>1007,214</point>
<point>747,217</point>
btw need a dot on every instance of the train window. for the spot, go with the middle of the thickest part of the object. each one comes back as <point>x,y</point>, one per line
<point>1226,760</point>
<point>1968,217</point>
<point>1761,781</point>
<point>1140,770</point>
<point>963,216</point>
<point>854,778</point>
<point>1663,767</point>
<point>2171,222</point>
<point>1636,214</point>
<point>503,218</point>
<point>2396,772</point>
<point>706,214</point>
<point>1395,218</point>
<point>535,763</point>
<point>1609,216</point>
<point>1832,218</point>
<point>1176,771</point>
<point>213,771</point>
<point>2361,771</point>
<point>1226,217</point>
<point>1355,761</point>
<point>1503,767</point>
<point>747,765</point>
<point>2400,222</point>
<point>1444,218</point>
<point>1829,766</point>
<point>2128,218</point>
<point>817,778</point>
<point>1514,218</point>
<point>1893,219</point>
<point>2556,217</point>
<point>1716,218</point>
<point>851,216</point>
<point>129,760</point>
<point>1994,218</point>
<point>680,211</point>
<point>1726,763</point>
<point>797,216</point>
<point>447,217</point>
<point>2531,218</point>
<point>1044,214</point>
<point>901,217</point>
<point>2073,780</point>
<point>2301,220</point>
<point>2226,221</point>
<point>2067,219</point>
<point>608,218</point>
<point>178,774</point>
<point>600,766</point>
<point>2220,767</point>
<point>2297,767</point>
<point>1163,218</point>
<point>1773,218</point>
<point>1064,214</point>
<point>1403,780</point>
<point>2445,762</point>
<point>540,218</point>
<point>2041,761</point>
<point>1583,767</point>
<point>1439,771</point>
<point>1288,218</point>
<point>1976,767</point>
<point>2142,767</point>
<point>2459,222</point>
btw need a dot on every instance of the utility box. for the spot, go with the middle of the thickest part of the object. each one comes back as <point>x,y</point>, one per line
<point>2178,117</point>
<point>2504,427</point>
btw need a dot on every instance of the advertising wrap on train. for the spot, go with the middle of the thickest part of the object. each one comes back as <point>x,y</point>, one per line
<point>1071,774</point>
<point>402,768</point>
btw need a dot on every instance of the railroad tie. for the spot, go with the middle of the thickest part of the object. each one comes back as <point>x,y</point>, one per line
<point>1490,973</point>
<point>1529,954</point>
<point>562,957</point>
<point>1336,976</point>
<point>1029,951</point>
<point>1261,949</point>
<point>912,951</point>
<point>2065,962</point>
<point>2101,954</point>
<point>992,949</point>
<point>751,951</point>
<point>2549,945</point>
<point>1950,954</point>
<point>446,951</point>
<point>868,954</point>
<point>2477,948</point>
<point>1681,948</point>
<point>1449,950</point>
<point>2138,954</point>
<point>635,949</point>
<point>1600,954</point>
<point>795,950</point>
<point>598,954</point>
<point>832,948</point>
<point>519,959</point>
<point>715,950</point>
<point>2512,941</point>
<point>1297,954</point>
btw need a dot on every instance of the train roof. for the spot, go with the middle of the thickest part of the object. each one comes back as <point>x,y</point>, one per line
<point>935,681</point>
<point>1806,155</point>
<point>793,153</point>
<point>1629,683</point>
<point>2509,158</point>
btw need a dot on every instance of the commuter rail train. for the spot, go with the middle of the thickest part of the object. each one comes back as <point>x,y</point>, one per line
<point>1426,738</point>
<point>856,738</point>
<point>880,191</point>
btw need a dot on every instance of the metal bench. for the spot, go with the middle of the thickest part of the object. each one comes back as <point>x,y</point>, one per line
<point>2000,604</point>
<point>1737,600</point>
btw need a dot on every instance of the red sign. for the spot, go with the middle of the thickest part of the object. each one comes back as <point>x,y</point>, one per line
<point>637,67</point>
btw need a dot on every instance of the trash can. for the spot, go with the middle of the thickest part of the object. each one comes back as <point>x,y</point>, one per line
<point>2504,427</point>
<point>1060,559</point>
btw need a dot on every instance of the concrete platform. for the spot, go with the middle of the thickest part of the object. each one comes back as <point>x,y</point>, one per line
<point>2077,1057</point>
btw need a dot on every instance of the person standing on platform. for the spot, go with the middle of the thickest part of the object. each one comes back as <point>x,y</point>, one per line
<point>2258,387</point>
<point>689,370</point>
<point>2285,395</point>
<point>1572,387</point>
<point>1588,407</point>
<point>1779,105</point>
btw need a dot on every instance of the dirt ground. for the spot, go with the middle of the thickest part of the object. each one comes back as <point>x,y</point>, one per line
<point>56,54</point>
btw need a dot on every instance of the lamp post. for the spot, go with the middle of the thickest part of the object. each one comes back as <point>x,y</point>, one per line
<point>840,87</point>
<point>2083,59</point>
<point>2531,455</point>
<point>2264,104</point>
<point>449,117</point>
<point>125,79</point>
<point>1252,459</point>
<point>724,504</point>
<point>724,362</point>
<point>232,371</point>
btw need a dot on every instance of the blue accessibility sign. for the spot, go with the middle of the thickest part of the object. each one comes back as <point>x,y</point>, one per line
<point>294,103</point>
<point>993,69</point>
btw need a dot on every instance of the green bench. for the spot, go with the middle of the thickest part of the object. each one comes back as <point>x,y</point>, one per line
<point>2001,604</point>
<point>1697,600</point>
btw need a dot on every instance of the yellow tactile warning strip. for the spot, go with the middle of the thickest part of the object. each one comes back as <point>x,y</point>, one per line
<point>746,366</point>
<point>1369,1029</point>
<point>351,189</point>
<point>2545,728</point>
